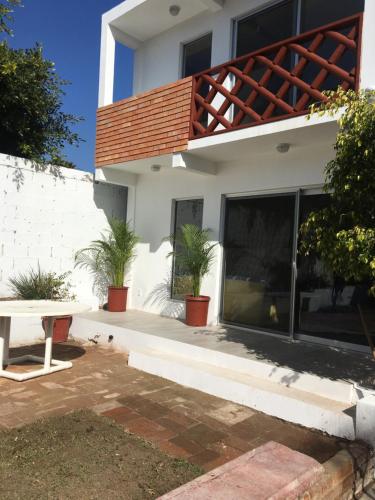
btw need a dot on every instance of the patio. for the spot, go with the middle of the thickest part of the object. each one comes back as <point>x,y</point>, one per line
<point>301,357</point>
<point>181,422</point>
<point>184,423</point>
<point>307,384</point>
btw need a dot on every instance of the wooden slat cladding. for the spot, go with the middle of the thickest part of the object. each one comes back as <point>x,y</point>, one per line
<point>150,124</point>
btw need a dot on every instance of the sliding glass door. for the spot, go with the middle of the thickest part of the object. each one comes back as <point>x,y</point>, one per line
<point>258,248</point>
<point>268,286</point>
<point>328,307</point>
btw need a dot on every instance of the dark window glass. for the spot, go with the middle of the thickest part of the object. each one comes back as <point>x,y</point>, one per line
<point>317,13</point>
<point>265,28</point>
<point>326,305</point>
<point>258,246</point>
<point>185,212</point>
<point>197,56</point>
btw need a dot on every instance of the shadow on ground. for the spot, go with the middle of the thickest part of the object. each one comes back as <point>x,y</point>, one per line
<point>323,361</point>
<point>63,352</point>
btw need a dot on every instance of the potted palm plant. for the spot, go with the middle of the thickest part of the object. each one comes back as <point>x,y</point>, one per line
<point>194,253</point>
<point>41,285</point>
<point>110,256</point>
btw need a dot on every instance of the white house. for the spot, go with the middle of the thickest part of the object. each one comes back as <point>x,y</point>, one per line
<point>216,134</point>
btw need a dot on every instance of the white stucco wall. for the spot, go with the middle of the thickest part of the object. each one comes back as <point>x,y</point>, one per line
<point>270,172</point>
<point>46,215</point>
<point>158,61</point>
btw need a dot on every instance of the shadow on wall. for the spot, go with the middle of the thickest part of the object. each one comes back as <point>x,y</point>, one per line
<point>18,176</point>
<point>160,296</point>
<point>112,199</point>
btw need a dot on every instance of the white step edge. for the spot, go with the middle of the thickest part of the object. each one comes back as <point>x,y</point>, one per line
<point>126,339</point>
<point>273,399</point>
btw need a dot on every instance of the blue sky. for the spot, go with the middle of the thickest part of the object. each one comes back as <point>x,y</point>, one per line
<point>69,31</point>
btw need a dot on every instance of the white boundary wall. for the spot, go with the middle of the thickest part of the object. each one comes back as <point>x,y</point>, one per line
<point>46,215</point>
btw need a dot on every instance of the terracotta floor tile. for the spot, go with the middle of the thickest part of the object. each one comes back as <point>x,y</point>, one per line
<point>204,458</point>
<point>190,447</point>
<point>148,429</point>
<point>203,434</point>
<point>171,424</point>
<point>121,415</point>
<point>172,449</point>
<point>180,420</point>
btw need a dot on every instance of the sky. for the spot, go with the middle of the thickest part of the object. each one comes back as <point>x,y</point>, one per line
<point>69,31</point>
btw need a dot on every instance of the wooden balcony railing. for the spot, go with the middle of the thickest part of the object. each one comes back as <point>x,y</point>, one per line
<point>277,82</point>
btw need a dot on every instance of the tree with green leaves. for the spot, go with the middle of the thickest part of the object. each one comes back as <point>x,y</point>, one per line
<point>32,123</point>
<point>6,10</point>
<point>343,233</point>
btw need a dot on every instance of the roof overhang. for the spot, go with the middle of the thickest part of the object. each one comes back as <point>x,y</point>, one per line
<point>135,21</point>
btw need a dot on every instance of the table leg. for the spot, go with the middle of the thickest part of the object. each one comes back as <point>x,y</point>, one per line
<point>4,341</point>
<point>48,348</point>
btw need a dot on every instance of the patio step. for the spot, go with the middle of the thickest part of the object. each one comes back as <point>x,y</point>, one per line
<point>287,403</point>
<point>141,331</point>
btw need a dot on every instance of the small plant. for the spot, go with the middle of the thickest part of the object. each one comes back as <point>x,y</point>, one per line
<point>40,285</point>
<point>111,255</point>
<point>194,253</point>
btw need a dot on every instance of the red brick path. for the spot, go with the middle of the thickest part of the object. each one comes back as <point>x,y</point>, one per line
<point>183,422</point>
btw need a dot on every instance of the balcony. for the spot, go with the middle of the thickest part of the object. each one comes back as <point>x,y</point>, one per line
<point>278,82</point>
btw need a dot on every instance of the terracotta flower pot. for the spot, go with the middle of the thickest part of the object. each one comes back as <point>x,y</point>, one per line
<point>196,310</point>
<point>61,328</point>
<point>117,298</point>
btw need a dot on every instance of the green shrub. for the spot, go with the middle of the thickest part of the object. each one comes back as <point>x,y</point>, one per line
<point>40,285</point>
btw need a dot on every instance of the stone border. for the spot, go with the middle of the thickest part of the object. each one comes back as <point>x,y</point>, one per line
<point>276,472</point>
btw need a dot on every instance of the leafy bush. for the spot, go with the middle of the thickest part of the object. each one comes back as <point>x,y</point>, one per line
<point>40,285</point>
<point>343,234</point>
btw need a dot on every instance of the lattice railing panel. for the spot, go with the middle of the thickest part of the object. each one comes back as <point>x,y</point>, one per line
<point>277,82</point>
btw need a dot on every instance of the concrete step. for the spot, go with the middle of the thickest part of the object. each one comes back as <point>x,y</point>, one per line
<point>136,337</point>
<point>287,403</point>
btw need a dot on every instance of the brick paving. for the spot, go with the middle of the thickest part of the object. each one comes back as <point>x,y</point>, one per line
<point>183,422</point>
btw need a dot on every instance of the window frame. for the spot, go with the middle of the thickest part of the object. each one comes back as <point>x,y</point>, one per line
<point>258,10</point>
<point>182,51</point>
<point>175,202</point>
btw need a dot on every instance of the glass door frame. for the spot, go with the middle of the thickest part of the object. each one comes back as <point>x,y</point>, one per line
<point>261,194</point>
<point>292,335</point>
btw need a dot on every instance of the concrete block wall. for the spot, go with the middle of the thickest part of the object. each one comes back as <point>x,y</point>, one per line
<point>46,215</point>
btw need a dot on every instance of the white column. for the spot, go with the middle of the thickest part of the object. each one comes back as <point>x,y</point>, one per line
<point>368,44</point>
<point>107,65</point>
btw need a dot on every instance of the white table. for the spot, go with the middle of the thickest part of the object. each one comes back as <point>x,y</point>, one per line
<point>33,308</point>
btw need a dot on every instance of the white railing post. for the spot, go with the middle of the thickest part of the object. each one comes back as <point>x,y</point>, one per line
<point>107,65</point>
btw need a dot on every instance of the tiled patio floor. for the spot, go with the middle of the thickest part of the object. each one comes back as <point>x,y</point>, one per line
<point>183,422</point>
<point>301,357</point>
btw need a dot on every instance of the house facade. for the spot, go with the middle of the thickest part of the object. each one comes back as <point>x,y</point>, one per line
<point>216,134</point>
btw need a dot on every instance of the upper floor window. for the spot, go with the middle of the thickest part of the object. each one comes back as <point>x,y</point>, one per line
<point>196,55</point>
<point>288,18</point>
